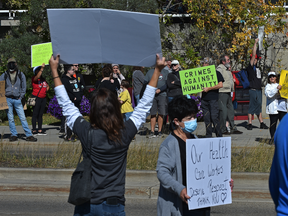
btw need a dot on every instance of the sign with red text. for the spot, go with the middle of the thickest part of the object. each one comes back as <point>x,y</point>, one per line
<point>3,102</point>
<point>208,169</point>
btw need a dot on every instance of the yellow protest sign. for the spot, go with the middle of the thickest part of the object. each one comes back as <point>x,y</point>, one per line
<point>41,53</point>
<point>284,83</point>
<point>194,80</point>
<point>3,102</point>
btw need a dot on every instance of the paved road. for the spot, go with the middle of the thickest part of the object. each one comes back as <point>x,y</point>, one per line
<point>30,205</point>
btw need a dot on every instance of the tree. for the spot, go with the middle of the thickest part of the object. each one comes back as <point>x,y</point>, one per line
<point>34,28</point>
<point>229,26</point>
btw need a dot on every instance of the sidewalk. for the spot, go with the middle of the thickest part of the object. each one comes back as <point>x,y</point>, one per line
<point>53,139</point>
<point>139,184</point>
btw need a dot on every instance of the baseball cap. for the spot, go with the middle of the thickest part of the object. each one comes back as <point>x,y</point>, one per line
<point>175,62</point>
<point>35,68</point>
<point>271,73</point>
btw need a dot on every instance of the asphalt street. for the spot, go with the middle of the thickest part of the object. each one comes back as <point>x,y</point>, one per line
<point>31,205</point>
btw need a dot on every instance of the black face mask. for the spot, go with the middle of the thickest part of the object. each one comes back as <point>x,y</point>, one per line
<point>12,66</point>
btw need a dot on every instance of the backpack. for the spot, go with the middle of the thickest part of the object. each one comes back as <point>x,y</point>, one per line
<point>243,78</point>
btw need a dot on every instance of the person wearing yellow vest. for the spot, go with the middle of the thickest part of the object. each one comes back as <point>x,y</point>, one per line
<point>125,100</point>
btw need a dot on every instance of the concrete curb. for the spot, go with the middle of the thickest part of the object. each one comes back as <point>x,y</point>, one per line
<point>139,184</point>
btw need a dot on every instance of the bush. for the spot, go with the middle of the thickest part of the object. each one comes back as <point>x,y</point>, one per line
<point>3,115</point>
<point>55,110</point>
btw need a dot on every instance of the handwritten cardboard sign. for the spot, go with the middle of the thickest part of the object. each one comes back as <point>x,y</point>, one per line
<point>3,102</point>
<point>208,166</point>
<point>194,80</point>
<point>284,83</point>
<point>41,53</point>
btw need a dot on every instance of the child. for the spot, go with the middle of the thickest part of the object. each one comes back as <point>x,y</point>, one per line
<point>125,100</point>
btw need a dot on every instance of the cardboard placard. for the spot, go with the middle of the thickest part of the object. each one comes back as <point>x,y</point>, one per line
<point>208,170</point>
<point>95,35</point>
<point>284,83</point>
<point>3,102</point>
<point>194,80</point>
<point>41,53</point>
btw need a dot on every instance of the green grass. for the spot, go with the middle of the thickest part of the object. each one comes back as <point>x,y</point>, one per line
<point>139,157</point>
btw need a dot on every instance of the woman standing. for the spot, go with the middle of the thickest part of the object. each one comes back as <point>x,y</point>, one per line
<point>110,138</point>
<point>173,81</point>
<point>276,106</point>
<point>107,81</point>
<point>40,88</point>
<point>172,199</point>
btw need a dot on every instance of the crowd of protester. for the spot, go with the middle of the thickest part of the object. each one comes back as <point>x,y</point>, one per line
<point>114,122</point>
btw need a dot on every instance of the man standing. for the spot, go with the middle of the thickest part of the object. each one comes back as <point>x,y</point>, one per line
<point>159,101</point>
<point>73,90</point>
<point>79,78</point>
<point>209,103</point>
<point>226,109</point>
<point>137,82</point>
<point>255,90</point>
<point>15,89</point>
<point>168,64</point>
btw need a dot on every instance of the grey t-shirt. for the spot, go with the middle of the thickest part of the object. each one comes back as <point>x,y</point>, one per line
<point>138,80</point>
<point>162,78</point>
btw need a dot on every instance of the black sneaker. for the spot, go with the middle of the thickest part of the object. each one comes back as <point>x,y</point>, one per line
<point>236,132</point>
<point>263,126</point>
<point>13,138</point>
<point>62,132</point>
<point>226,133</point>
<point>34,133</point>
<point>249,127</point>
<point>152,135</point>
<point>41,133</point>
<point>160,134</point>
<point>31,139</point>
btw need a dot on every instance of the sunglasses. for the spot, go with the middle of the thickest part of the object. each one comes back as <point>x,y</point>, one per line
<point>272,76</point>
<point>173,65</point>
<point>76,65</point>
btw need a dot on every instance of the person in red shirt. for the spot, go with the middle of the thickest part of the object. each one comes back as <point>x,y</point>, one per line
<point>40,88</point>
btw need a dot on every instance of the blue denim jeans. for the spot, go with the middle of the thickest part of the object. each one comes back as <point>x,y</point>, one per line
<point>20,112</point>
<point>102,209</point>
<point>137,97</point>
<point>126,116</point>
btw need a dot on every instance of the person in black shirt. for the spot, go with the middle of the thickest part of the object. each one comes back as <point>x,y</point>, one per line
<point>255,90</point>
<point>209,103</point>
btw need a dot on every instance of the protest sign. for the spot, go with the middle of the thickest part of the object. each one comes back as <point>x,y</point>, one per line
<point>3,102</point>
<point>94,35</point>
<point>41,53</point>
<point>194,80</point>
<point>261,37</point>
<point>284,83</point>
<point>208,170</point>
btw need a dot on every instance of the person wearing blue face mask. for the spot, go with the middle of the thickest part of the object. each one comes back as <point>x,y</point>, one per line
<point>171,164</point>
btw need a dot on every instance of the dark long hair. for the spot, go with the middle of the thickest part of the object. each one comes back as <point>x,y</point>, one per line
<point>106,114</point>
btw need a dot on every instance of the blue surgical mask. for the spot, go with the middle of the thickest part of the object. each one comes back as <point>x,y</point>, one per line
<point>190,126</point>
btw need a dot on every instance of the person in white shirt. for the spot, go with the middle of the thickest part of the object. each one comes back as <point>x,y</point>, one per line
<point>276,106</point>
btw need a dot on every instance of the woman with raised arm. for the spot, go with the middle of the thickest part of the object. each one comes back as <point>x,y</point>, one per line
<point>110,141</point>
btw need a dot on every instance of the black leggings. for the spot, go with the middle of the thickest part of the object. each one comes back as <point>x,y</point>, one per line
<point>273,122</point>
<point>38,111</point>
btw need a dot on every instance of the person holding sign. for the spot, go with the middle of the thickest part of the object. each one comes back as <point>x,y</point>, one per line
<point>40,88</point>
<point>276,107</point>
<point>15,89</point>
<point>209,103</point>
<point>171,164</point>
<point>255,90</point>
<point>110,138</point>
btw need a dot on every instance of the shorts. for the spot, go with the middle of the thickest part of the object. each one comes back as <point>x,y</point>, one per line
<point>255,104</point>
<point>159,105</point>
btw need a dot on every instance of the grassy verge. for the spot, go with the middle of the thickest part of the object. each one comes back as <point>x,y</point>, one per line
<point>139,157</point>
